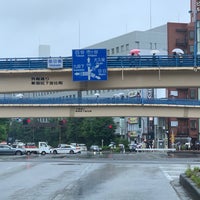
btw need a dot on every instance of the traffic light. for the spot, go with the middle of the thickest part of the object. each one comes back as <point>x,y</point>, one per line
<point>110,126</point>
<point>26,121</point>
<point>62,122</point>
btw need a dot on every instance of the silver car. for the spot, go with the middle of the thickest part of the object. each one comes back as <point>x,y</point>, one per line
<point>8,150</point>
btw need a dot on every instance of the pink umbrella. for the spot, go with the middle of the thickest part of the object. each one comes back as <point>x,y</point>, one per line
<point>134,51</point>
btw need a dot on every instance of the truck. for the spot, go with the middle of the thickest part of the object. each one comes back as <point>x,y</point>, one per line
<point>42,148</point>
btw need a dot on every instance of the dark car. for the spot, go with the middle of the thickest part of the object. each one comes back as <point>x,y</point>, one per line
<point>8,150</point>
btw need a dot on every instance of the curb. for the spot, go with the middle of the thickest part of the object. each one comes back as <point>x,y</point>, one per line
<point>190,187</point>
<point>184,154</point>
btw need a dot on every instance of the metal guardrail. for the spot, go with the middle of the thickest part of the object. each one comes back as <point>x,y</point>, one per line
<point>155,150</point>
<point>100,100</point>
<point>112,62</point>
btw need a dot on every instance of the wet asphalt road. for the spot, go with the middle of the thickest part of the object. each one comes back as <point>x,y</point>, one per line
<point>115,177</point>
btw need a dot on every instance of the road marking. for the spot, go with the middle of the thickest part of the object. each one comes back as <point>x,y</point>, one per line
<point>173,172</point>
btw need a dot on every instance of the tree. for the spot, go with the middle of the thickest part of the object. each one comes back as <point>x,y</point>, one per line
<point>4,126</point>
<point>95,130</point>
<point>79,130</point>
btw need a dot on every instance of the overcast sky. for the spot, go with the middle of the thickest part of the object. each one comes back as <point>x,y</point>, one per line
<point>72,24</point>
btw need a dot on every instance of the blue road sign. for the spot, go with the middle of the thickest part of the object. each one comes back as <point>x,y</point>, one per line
<point>89,65</point>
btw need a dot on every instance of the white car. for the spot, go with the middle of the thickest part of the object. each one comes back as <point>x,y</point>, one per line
<point>82,147</point>
<point>65,149</point>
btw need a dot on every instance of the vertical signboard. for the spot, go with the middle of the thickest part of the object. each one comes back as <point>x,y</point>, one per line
<point>89,65</point>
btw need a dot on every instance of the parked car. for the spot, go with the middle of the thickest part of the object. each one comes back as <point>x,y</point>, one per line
<point>8,150</point>
<point>65,149</point>
<point>83,147</point>
<point>95,148</point>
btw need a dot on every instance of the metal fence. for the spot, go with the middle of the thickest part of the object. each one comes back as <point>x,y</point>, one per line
<point>99,100</point>
<point>112,62</point>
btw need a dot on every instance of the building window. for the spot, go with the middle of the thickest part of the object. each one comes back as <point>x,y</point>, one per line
<point>191,35</point>
<point>192,93</point>
<point>127,47</point>
<point>108,52</point>
<point>113,51</point>
<point>193,124</point>
<point>137,43</point>
<point>122,48</point>
<point>117,49</point>
<point>151,47</point>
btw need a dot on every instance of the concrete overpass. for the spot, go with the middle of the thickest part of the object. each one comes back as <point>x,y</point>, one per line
<point>118,78</point>
<point>98,110</point>
<point>32,74</point>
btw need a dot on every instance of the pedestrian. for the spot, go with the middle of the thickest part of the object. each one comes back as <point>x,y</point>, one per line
<point>180,59</point>
<point>132,62</point>
<point>122,148</point>
<point>154,60</point>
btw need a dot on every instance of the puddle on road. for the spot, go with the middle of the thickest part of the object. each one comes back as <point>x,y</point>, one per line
<point>67,164</point>
<point>87,185</point>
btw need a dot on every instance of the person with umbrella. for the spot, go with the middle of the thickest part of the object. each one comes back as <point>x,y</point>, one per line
<point>154,63</point>
<point>134,57</point>
<point>154,57</point>
<point>178,56</point>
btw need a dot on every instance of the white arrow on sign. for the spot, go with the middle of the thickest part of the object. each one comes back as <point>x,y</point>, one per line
<point>76,73</point>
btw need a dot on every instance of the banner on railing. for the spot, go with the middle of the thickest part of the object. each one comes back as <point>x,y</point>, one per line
<point>55,63</point>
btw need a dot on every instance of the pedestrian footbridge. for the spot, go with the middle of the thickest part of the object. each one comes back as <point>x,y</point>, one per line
<point>99,107</point>
<point>18,75</point>
<point>32,74</point>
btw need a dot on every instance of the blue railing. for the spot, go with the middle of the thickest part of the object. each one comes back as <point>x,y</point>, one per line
<point>112,62</point>
<point>100,100</point>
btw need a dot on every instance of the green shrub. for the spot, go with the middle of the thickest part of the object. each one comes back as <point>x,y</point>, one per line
<point>188,172</point>
<point>183,147</point>
<point>194,175</point>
